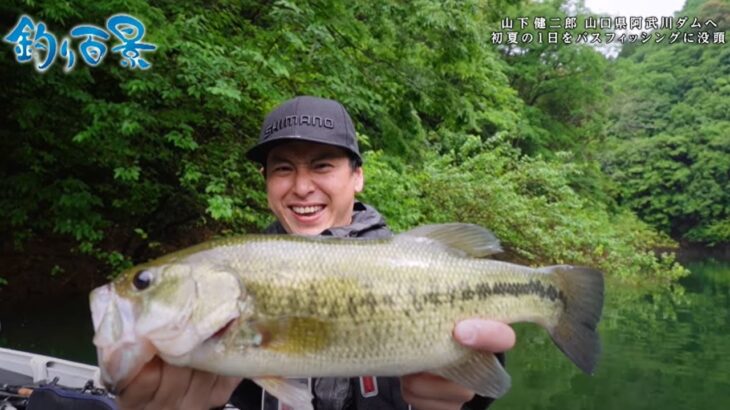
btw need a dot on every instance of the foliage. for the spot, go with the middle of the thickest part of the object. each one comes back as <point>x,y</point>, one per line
<point>561,85</point>
<point>527,202</point>
<point>111,149</point>
<point>670,149</point>
<point>131,164</point>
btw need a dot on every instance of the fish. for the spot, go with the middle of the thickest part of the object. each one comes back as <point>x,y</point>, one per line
<point>275,307</point>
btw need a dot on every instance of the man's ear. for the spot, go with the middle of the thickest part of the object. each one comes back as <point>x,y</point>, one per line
<point>360,180</point>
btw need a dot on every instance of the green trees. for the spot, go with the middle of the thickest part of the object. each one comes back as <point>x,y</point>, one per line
<point>130,164</point>
<point>668,123</point>
<point>562,85</point>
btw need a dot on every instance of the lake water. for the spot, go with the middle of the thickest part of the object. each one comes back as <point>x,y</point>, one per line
<point>662,348</point>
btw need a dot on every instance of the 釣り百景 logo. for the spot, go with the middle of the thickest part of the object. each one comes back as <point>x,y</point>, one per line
<point>33,42</point>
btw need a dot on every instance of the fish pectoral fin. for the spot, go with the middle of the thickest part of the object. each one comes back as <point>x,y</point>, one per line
<point>466,239</point>
<point>481,372</point>
<point>294,334</point>
<point>289,391</point>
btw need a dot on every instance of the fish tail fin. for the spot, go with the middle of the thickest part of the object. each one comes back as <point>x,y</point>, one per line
<point>575,332</point>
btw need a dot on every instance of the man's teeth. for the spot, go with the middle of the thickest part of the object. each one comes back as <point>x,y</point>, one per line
<point>306,209</point>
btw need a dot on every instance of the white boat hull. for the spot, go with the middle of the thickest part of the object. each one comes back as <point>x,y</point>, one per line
<point>46,368</point>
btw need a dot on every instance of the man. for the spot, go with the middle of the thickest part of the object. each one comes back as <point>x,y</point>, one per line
<point>312,165</point>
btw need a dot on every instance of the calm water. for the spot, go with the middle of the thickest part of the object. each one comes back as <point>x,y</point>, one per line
<point>60,328</point>
<point>665,348</point>
<point>662,349</point>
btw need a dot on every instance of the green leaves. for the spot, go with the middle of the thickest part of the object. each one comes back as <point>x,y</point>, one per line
<point>527,202</point>
<point>182,138</point>
<point>220,207</point>
<point>128,163</point>
<point>128,174</point>
<point>669,152</point>
<point>225,89</point>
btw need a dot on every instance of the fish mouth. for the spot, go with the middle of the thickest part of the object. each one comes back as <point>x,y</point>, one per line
<point>119,366</point>
<point>223,330</point>
<point>120,355</point>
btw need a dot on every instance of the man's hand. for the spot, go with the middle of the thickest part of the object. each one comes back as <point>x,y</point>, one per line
<point>162,386</point>
<point>425,391</point>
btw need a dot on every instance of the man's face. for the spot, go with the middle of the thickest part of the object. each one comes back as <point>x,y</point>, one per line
<point>311,187</point>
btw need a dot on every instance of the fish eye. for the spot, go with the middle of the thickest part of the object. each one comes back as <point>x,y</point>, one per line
<point>142,279</point>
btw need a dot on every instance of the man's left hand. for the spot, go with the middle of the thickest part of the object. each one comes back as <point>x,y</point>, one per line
<point>426,391</point>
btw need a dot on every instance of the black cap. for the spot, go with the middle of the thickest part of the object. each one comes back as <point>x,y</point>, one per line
<point>306,118</point>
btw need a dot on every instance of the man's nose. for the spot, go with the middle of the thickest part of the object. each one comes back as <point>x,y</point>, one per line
<point>303,183</point>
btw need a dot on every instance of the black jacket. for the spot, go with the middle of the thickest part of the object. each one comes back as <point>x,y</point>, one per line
<point>361,393</point>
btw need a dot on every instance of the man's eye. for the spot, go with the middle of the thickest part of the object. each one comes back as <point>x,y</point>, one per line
<point>323,166</point>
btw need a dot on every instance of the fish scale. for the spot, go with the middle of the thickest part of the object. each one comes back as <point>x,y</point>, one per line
<point>405,272</point>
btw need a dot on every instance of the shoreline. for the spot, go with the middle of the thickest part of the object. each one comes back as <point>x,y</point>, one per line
<point>689,251</point>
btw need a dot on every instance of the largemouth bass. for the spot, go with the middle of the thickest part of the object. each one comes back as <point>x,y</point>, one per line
<point>268,307</point>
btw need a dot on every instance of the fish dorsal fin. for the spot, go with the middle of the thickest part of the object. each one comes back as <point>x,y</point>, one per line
<point>466,239</point>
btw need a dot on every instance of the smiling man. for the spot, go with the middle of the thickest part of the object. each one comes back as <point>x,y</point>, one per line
<point>310,186</point>
<point>312,165</point>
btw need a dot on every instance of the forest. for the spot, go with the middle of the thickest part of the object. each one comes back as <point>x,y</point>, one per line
<point>568,153</point>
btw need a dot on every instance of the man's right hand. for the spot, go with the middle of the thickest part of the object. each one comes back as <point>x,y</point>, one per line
<point>162,386</point>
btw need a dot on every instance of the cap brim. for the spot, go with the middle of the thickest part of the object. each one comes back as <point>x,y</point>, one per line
<point>259,152</point>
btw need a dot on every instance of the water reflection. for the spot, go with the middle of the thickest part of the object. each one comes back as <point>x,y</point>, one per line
<point>55,327</point>
<point>662,348</point>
